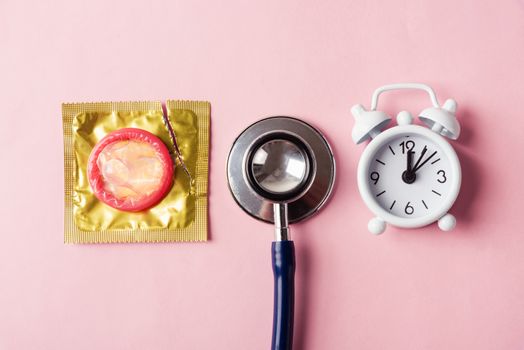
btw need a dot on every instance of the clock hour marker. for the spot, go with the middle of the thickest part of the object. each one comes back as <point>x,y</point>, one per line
<point>435,192</point>
<point>392,204</point>
<point>391,149</point>
<point>424,204</point>
<point>381,193</point>
<point>381,162</point>
<point>436,160</point>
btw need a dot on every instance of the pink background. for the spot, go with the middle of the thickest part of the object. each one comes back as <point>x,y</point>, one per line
<point>421,289</point>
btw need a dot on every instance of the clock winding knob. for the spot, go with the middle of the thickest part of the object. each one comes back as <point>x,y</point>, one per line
<point>404,118</point>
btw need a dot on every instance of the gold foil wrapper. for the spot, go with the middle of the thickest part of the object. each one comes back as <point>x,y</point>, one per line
<point>180,216</point>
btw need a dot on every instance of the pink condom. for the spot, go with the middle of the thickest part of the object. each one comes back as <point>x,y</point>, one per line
<point>130,169</point>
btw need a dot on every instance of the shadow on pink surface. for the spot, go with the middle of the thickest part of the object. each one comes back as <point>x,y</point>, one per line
<point>465,208</point>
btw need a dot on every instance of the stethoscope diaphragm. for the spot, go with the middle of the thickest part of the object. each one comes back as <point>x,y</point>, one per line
<point>306,151</point>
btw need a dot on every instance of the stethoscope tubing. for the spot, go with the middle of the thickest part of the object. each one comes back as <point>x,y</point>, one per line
<point>283,260</point>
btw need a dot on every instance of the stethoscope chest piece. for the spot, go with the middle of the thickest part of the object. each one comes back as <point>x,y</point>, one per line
<point>281,159</point>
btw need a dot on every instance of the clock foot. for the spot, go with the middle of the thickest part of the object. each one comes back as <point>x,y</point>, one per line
<point>376,226</point>
<point>447,222</point>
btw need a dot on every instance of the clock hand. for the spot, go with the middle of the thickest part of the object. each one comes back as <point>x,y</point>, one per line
<point>410,162</point>
<point>424,150</point>
<point>424,162</point>
<point>409,176</point>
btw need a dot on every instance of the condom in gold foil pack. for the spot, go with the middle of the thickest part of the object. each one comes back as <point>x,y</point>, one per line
<point>119,181</point>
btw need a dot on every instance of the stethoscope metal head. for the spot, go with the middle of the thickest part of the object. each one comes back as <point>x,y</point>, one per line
<point>281,160</point>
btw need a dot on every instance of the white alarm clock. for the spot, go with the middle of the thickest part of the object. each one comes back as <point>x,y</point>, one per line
<point>409,176</point>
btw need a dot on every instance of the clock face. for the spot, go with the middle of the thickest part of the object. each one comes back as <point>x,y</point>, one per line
<point>410,176</point>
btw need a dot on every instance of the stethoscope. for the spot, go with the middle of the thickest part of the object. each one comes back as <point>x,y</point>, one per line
<point>281,170</point>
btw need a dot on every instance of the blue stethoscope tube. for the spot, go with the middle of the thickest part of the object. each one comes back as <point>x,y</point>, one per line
<point>283,259</point>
